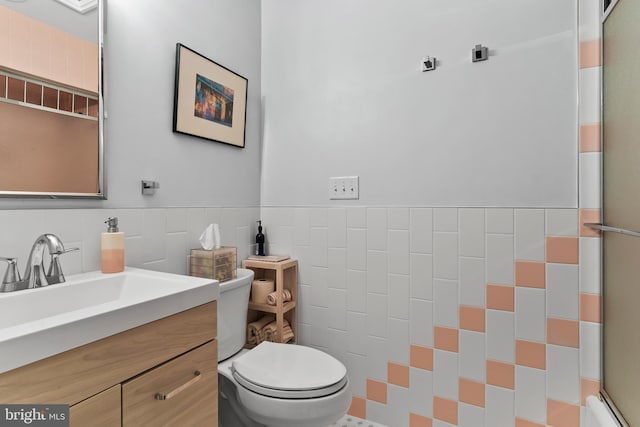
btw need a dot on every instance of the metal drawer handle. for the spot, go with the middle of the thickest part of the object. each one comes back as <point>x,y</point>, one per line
<point>172,393</point>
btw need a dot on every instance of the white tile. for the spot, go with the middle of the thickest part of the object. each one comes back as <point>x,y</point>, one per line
<point>472,356</point>
<point>530,236</point>
<point>280,241</point>
<point>357,330</point>
<point>445,255</point>
<point>446,302</point>
<point>563,369</point>
<point>301,227</point>
<point>561,222</point>
<point>319,288</point>
<point>499,409</point>
<point>445,219</point>
<point>590,350</point>
<point>356,217</point>
<point>337,305</point>
<point>133,255</point>
<point>590,268</point>
<point>500,259</point>
<point>154,235</point>
<point>378,412</point>
<point>470,415</point>
<point>318,327</point>
<point>472,232</point>
<point>64,224</point>
<point>397,405</point>
<point>589,108</point>
<point>160,265</point>
<point>319,247</point>
<point>377,229</point>
<point>472,282</point>
<point>530,314</point>
<point>337,343</point>
<point>318,217</point>
<point>500,336</point>
<point>337,262</point>
<point>131,221</point>
<point>245,245</point>
<point>438,423</point>
<point>421,230</point>
<point>421,388</point>
<point>71,262</point>
<point>377,358</point>
<point>421,276</point>
<point>589,19</point>
<point>356,249</point>
<point>176,220</point>
<point>590,179</point>
<point>377,272</point>
<point>562,291</point>
<point>303,254</point>
<point>399,296</point>
<point>177,251</point>
<point>398,340</point>
<point>337,228</point>
<point>196,223</point>
<point>445,374</point>
<point>398,252</point>
<point>398,218</point>
<point>531,394</point>
<point>500,221</point>
<point>377,315</point>
<point>357,291</point>
<point>304,303</point>
<point>356,369</point>
<point>421,322</point>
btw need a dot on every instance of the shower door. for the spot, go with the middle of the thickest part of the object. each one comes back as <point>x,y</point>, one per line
<point>621,209</point>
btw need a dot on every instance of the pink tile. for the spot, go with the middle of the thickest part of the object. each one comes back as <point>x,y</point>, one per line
<point>531,354</point>
<point>445,410</point>
<point>501,297</point>
<point>416,420</point>
<point>561,414</point>
<point>588,387</point>
<point>520,422</point>
<point>445,338</point>
<point>530,274</point>
<point>563,250</point>
<point>590,54</point>
<point>590,138</point>
<point>398,374</point>
<point>377,391</point>
<point>501,374</point>
<point>589,216</point>
<point>358,407</point>
<point>563,332</point>
<point>421,357</point>
<point>471,392</point>
<point>590,308</point>
<point>472,318</point>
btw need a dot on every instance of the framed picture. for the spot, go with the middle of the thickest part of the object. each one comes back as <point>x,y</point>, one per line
<point>210,100</point>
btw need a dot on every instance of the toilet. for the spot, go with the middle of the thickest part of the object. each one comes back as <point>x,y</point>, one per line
<point>273,384</point>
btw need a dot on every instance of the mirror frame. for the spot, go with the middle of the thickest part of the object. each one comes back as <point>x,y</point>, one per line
<point>101,194</point>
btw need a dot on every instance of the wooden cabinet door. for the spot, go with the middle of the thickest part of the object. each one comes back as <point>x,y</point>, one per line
<point>189,385</point>
<point>101,410</point>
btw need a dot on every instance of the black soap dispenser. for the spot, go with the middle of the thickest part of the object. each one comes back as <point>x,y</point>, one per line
<point>260,240</point>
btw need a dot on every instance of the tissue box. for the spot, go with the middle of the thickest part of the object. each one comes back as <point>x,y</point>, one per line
<point>219,264</point>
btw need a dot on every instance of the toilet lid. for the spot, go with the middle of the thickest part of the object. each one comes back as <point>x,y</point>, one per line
<point>289,371</point>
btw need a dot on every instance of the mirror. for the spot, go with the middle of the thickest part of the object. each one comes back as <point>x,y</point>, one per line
<point>51,132</point>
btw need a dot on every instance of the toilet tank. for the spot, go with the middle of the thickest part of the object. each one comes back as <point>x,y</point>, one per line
<point>232,313</point>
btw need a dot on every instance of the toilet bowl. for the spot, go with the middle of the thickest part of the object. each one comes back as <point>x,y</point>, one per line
<point>273,384</point>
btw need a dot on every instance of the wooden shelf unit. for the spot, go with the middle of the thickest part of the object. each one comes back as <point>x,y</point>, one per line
<point>285,276</point>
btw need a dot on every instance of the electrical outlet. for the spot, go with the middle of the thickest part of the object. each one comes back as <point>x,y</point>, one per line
<point>344,188</point>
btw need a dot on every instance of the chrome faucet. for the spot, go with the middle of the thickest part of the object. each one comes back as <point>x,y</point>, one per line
<point>34,275</point>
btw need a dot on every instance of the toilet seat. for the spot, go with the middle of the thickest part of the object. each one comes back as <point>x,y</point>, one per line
<point>289,371</point>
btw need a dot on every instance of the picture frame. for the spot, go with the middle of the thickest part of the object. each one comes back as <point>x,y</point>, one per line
<point>210,100</point>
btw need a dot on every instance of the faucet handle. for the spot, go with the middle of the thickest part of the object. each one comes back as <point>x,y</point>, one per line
<point>12,275</point>
<point>55,274</point>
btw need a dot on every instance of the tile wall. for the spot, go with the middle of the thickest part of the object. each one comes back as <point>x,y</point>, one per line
<point>156,239</point>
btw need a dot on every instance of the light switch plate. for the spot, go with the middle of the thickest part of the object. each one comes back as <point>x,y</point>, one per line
<point>344,188</point>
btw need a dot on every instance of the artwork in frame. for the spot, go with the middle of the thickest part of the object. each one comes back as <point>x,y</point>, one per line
<point>210,100</point>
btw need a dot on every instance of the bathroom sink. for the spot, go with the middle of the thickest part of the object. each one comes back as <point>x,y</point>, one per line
<point>38,323</point>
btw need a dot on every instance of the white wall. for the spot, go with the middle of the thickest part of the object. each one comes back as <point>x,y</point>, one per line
<point>343,94</point>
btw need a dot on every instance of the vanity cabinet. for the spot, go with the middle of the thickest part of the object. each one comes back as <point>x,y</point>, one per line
<point>285,276</point>
<point>114,381</point>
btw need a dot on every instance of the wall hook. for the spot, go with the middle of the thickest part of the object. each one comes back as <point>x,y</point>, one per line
<point>428,64</point>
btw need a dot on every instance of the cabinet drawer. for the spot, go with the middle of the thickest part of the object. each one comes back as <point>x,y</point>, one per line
<point>190,384</point>
<point>101,410</point>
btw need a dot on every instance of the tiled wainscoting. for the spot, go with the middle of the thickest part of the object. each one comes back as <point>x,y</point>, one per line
<point>446,316</point>
<point>156,239</point>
